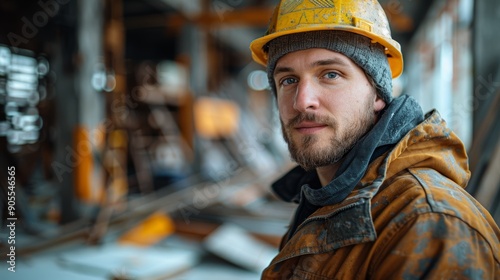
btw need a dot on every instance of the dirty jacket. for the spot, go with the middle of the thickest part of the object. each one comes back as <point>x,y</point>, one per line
<point>396,209</point>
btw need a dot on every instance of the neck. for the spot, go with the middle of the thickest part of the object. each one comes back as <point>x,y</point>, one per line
<point>326,173</point>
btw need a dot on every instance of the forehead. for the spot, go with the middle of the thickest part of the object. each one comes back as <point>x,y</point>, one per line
<point>314,57</point>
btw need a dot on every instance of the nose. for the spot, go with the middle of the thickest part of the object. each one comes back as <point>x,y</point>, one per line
<point>306,98</point>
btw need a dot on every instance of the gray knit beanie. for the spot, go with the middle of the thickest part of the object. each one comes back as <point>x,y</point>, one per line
<point>370,57</point>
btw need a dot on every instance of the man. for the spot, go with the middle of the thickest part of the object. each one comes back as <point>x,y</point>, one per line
<point>379,186</point>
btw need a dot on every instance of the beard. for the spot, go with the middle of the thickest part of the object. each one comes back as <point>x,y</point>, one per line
<point>306,150</point>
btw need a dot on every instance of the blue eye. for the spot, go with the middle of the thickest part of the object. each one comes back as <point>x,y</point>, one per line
<point>288,81</point>
<point>331,75</point>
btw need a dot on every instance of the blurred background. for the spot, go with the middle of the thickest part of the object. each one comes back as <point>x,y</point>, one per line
<point>138,138</point>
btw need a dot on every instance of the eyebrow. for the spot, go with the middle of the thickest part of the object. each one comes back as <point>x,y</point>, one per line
<point>278,70</point>
<point>330,61</point>
<point>322,62</point>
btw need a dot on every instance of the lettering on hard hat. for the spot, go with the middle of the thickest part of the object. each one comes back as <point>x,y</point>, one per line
<point>320,15</point>
<point>316,16</point>
<point>303,18</point>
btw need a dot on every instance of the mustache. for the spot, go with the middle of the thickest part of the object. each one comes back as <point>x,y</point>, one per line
<point>311,117</point>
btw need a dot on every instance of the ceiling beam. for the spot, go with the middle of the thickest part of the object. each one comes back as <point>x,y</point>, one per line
<point>256,17</point>
<point>253,17</point>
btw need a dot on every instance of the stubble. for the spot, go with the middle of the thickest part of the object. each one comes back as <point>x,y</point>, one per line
<point>305,149</point>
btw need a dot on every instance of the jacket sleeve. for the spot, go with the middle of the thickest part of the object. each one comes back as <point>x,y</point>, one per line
<point>436,246</point>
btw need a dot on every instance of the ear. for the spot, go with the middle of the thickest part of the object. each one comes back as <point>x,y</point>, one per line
<point>379,104</point>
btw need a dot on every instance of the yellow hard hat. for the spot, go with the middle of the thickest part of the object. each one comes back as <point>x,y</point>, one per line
<point>364,17</point>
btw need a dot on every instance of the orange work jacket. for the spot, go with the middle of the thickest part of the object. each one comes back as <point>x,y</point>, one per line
<point>408,218</point>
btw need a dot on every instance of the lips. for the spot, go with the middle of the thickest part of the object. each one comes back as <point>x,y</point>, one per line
<point>309,127</point>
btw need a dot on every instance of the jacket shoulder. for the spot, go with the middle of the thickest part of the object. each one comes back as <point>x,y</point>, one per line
<point>430,220</point>
<point>426,192</point>
<point>443,195</point>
